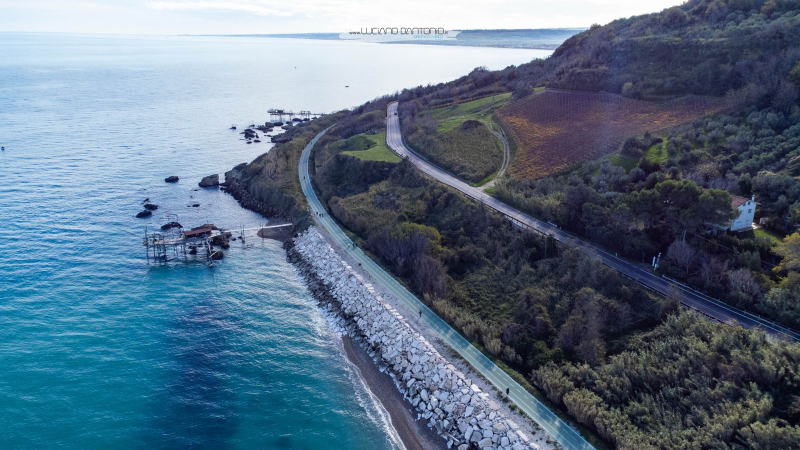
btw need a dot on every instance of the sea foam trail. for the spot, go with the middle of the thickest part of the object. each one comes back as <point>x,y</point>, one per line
<point>334,326</point>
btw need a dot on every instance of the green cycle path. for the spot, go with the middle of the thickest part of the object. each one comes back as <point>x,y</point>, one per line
<point>565,435</point>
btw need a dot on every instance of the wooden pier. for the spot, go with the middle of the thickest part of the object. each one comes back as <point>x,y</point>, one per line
<point>176,243</point>
<point>280,113</point>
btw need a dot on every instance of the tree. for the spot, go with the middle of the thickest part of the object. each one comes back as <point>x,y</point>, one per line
<point>681,254</point>
<point>789,249</point>
<point>743,285</point>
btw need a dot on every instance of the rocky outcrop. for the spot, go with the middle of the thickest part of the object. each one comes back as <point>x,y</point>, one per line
<point>454,406</point>
<point>280,139</point>
<point>145,213</point>
<point>171,225</point>
<point>171,179</point>
<point>209,181</point>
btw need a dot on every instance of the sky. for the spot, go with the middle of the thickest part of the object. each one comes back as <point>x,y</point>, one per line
<point>172,17</point>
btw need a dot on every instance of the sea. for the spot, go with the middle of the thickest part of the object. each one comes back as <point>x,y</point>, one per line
<point>100,349</point>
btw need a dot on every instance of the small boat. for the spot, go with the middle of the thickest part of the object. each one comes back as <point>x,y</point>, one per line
<point>233,127</point>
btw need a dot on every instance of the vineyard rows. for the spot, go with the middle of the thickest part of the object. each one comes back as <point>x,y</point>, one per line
<point>556,129</point>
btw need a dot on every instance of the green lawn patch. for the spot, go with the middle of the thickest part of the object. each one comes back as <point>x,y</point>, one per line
<point>450,117</point>
<point>369,147</point>
<point>773,237</point>
<point>469,151</point>
<point>626,162</point>
<point>657,153</point>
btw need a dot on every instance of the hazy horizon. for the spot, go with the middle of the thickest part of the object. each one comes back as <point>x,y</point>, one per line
<point>180,17</point>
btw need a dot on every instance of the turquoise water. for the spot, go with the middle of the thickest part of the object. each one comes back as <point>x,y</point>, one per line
<point>98,349</point>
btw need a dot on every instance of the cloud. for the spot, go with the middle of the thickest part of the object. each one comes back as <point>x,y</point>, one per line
<point>278,9</point>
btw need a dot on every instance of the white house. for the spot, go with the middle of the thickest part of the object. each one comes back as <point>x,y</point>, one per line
<point>747,208</point>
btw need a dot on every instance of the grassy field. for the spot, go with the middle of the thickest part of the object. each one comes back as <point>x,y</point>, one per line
<point>470,151</point>
<point>656,154</point>
<point>369,147</point>
<point>626,162</point>
<point>556,129</point>
<point>450,117</point>
<point>462,143</point>
<point>773,237</point>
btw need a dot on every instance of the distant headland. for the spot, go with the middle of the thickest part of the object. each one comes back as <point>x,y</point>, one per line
<point>544,38</point>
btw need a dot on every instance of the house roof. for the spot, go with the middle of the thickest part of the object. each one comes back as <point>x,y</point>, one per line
<point>198,231</point>
<point>738,201</point>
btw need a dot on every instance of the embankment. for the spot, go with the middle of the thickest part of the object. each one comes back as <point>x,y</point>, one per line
<point>456,408</point>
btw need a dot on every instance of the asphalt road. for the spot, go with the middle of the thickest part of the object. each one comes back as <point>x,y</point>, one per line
<point>693,299</point>
<point>557,428</point>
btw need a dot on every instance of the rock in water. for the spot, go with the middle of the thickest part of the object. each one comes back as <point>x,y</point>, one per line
<point>167,226</point>
<point>217,255</point>
<point>172,179</point>
<point>150,207</point>
<point>145,213</point>
<point>280,139</point>
<point>210,181</point>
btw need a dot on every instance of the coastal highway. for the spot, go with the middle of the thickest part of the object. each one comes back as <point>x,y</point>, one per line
<point>691,298</point>
<point>547,420</point>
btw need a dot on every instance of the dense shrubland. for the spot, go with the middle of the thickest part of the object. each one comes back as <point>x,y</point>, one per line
<point>625,208</point>
<point>620,360</point>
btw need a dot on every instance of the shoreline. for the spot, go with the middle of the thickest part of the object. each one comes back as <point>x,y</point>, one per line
<point>414,434</point>
<point>456,404</point>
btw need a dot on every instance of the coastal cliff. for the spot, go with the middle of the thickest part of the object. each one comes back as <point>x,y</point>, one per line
<point>454,406</point>
<point>269,185</point>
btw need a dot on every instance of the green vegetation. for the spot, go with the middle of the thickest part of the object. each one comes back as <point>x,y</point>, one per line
<point>450,117</point>
<point>469,151</point>
<point>457,137</point>
<point>369,147</point>
<point>768,235</point>
<point>626,162</point>
<point>618,359</point>
<point>598,345</point>
<point>689,383</point>
<point>657,153</point>
<point>270,184</point>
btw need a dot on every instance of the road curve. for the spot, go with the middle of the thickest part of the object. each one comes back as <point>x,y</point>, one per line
<point>506,157</point>
<point>693,299</point>
<point>566,436</point>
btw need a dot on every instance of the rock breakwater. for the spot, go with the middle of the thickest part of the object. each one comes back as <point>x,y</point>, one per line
<point>456,408</point>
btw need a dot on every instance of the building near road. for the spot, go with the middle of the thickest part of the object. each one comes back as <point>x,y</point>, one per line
<point>747,209</point>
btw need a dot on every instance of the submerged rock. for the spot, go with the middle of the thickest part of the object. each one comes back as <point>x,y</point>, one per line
<point>150,207</point>
<point>145,213</point>
<point>171,179</point>
<point>209,181</point>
